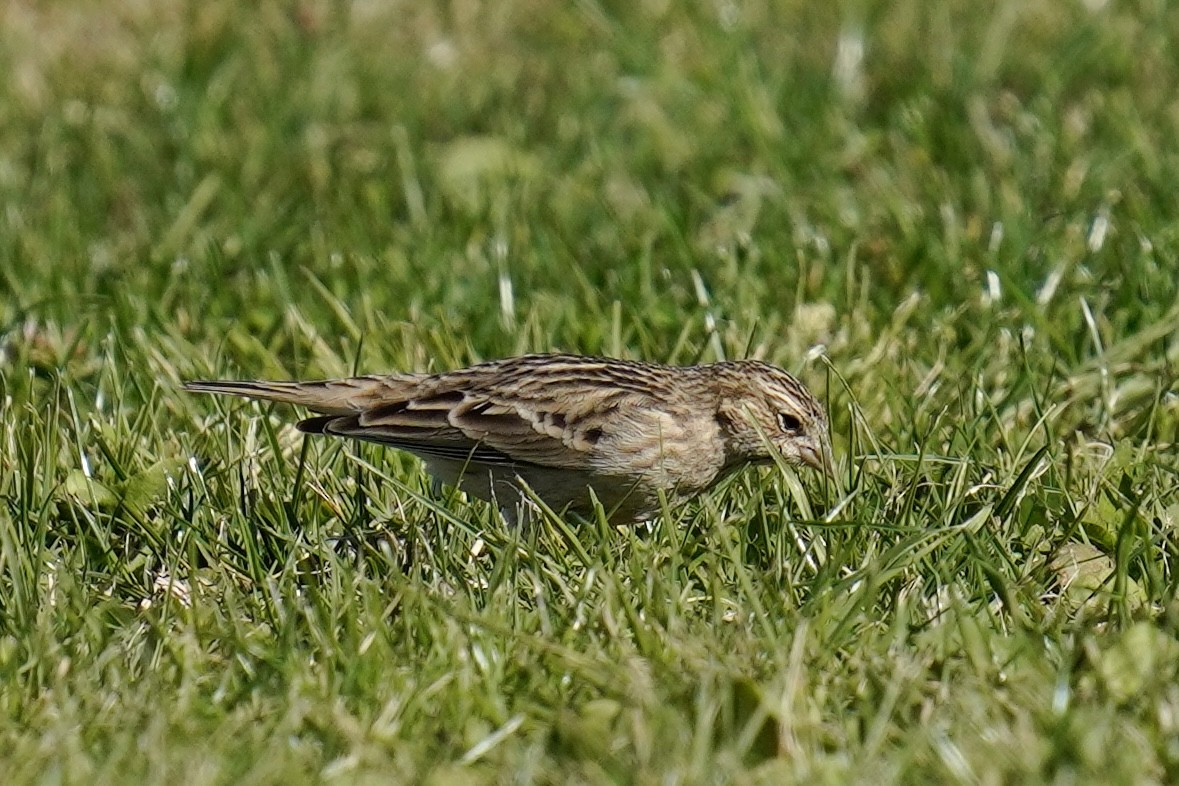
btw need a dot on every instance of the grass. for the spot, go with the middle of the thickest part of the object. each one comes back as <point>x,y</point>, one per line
<point>955,221</point>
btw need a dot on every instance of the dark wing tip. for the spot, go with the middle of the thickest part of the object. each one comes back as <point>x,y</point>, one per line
<point>317,425</point>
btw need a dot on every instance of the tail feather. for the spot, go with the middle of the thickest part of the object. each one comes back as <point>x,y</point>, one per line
<point>330,397</point>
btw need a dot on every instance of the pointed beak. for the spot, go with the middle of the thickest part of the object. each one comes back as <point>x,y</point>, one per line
<point>819,457</point>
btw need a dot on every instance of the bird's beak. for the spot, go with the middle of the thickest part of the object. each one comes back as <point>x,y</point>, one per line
<point>819,457</point>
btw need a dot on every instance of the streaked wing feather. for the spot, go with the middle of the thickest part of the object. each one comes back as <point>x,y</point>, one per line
<point>459,417</point>
<point>423,420</point>
<point>527,433</point>
<point>479,427</point>
<point>453,450</point>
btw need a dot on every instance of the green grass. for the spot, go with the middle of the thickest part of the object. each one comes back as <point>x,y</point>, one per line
<point>964,240</point>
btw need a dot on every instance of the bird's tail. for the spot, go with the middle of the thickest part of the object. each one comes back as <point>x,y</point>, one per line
<point>329,397</point>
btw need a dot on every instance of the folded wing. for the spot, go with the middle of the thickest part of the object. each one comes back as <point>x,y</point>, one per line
<point>467,426</point>
<point>419,414</point>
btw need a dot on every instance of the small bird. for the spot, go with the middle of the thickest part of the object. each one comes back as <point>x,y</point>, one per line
<point>565,424</point>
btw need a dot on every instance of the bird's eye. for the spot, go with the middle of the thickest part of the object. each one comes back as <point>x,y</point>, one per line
<point>788,422</point>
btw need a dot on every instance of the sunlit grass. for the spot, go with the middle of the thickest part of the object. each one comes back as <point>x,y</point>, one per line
<point>955,222</point>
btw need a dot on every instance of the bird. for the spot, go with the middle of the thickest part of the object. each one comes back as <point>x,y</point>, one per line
<point>571,428</point>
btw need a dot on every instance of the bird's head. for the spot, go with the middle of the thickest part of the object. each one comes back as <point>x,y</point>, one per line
<point>762,408</point>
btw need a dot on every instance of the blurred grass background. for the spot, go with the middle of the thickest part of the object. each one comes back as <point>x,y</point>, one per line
<point>956,221</point>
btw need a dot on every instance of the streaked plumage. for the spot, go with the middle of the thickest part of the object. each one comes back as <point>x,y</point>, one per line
<point>566,423</point>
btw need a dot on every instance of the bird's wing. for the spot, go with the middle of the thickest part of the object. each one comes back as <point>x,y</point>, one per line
<point>454,418</point>
<point>407,414</point>
<point>474,427</point>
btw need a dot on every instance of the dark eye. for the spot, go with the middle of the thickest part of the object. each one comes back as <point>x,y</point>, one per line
<point>789,422</point>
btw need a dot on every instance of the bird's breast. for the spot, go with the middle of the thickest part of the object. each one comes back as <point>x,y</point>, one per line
<point>665,449</point>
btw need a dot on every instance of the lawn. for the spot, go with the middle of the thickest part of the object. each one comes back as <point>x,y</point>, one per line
<point>958,222</point>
